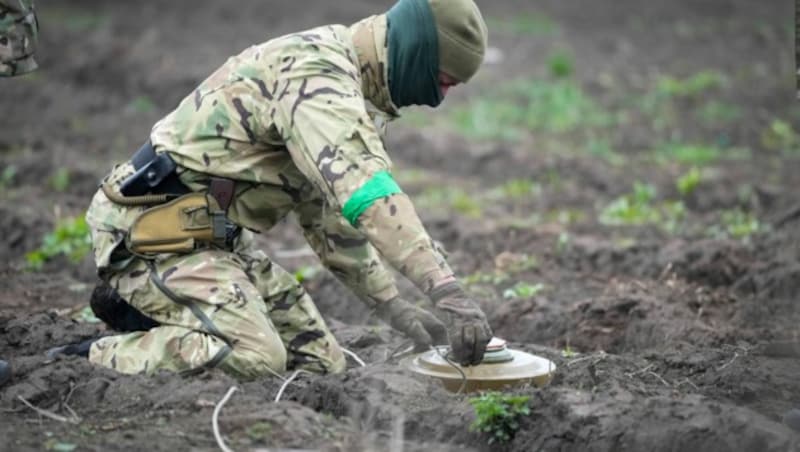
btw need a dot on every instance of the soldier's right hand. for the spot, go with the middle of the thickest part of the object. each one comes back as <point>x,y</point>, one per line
<point>467,329</point>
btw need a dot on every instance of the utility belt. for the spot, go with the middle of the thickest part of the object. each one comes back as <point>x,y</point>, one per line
<point>180,220</point>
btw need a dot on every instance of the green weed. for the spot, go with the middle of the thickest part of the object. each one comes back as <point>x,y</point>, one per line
<point>560,64</point>
<point>259,431</point>
<point>540,105</point>
<point>698,154</point>
<point>494,278</point>
<point>522,290</point>
<point>70,238</point>
<point>736,223</point>
<point>660,102</point>
<point>634,208</point>
<point>568,352</point>
<point>691,86</point>
<point>687,183</point>
<point>517,189</point>
<point>142,104</point>
<point>638,208</point>
<point>59,181</point>
<point>716,112</point>
<point>565,216</point>
<point>7,177</point>
<point>454,198</point>
<point>498,415</point>
<point>563,242</point>
<point>780,136</point>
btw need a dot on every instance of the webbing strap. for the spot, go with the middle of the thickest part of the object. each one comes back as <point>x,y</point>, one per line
<point>197,312</point>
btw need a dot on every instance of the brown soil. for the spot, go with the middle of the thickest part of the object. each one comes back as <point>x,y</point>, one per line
<point>684,342</point>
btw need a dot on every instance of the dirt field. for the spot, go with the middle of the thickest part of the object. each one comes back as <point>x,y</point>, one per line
<point>670,309</point>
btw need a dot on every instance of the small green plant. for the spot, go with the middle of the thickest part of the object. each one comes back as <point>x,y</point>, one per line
<point>60,180</point>
<point>716,112</point>
<point>563,242</point>
<point>466,204</point>
<point>259,431</point>
<point>70,238</point>
<point>142,104</point>
<point>687,183</point>
<point>494,278</point>
<point>452,197</point>
<point>7,176</point>
<point>739,224</point>
<point>691,86</point>
<point>632,208</point>
<point>498,415</point>
<point>518,189</point>
<point>568,352</point>
<point>522,290</point>
<point>693,154</point>
<point>511,112</point>
<point>639,208</point>
<point>560,64</point>
<point>780,136</point>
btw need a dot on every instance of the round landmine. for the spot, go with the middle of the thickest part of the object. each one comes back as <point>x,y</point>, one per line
<point>501,368</point>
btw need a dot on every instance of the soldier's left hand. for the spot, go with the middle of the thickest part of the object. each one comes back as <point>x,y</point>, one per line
<point>418,324</point>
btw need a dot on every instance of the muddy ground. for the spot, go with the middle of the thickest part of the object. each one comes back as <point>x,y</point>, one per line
<point>666,337</point>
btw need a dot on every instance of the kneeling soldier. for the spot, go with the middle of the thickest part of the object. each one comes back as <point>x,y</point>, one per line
<point>291,125</point>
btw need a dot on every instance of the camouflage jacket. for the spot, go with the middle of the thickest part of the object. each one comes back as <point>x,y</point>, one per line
<point>298,123</point>
<point>18,37</point>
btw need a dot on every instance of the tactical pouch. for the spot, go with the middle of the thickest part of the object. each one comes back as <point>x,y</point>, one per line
<point>178,226</point>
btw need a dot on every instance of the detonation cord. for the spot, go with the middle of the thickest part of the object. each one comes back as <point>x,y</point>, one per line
<point>299,371</point>
<point>215,419</point>
<point>454,366</point>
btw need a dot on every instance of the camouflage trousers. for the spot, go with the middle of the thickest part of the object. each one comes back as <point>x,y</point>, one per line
<point>236,310</point>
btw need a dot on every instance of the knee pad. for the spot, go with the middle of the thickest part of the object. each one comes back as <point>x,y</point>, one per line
<point>108,306</point>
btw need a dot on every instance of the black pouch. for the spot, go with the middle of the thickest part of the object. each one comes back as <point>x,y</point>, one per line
<point>150,176</point>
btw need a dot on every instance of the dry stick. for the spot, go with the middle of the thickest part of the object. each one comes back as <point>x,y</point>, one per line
<point>643,370</point>
<point>601,356</point>
<point>687,381</point>
<point>49,414</point>
<point>215,419</point>
<point>660,378</point>
<point>735,355</point>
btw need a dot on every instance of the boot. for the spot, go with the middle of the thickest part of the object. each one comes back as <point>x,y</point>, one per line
<point>79,349</point>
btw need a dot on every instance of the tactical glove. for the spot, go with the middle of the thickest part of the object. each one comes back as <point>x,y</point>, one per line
<point>418,324</point>
<point>467,328</point>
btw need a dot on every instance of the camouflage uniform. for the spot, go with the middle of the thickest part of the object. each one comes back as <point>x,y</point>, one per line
<point>18,37</point>
<point>297,123</point>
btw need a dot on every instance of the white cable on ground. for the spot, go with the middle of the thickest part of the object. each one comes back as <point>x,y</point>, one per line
<point>215,419</point>
<point>286,383</point>
<point>355,357</point>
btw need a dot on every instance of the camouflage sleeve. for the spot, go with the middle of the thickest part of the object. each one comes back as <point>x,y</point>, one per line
<point>347,253</point>
<point>19,32</point>
<point>334,143</point>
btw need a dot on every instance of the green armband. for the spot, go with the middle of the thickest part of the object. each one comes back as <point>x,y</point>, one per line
<point>379,185</point>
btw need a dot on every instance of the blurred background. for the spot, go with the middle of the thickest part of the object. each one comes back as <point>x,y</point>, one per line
<point>618,186</point>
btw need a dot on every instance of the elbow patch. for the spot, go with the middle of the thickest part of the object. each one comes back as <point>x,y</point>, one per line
<point>379,185</point>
